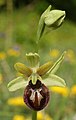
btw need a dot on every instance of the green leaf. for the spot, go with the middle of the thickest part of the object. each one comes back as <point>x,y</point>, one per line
<point>53,80</point>
<point>17,83</point>
<point>57,64</point>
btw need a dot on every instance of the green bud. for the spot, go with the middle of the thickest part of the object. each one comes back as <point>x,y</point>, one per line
<point>23,69</point>
<point>42,70</point>
<point>33,59</point>
<point>54,18</point>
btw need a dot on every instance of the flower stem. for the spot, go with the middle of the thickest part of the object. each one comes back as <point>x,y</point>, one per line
<point>37,46</point>
<point>34,115</point>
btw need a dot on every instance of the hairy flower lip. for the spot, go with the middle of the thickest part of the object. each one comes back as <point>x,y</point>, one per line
<point>36,96</point>
<point>35,86</point>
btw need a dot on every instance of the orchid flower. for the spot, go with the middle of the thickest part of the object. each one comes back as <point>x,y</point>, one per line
<point>36,80</point>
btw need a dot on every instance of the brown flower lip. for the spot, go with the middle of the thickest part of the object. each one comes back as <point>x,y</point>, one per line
<point>36,96</point>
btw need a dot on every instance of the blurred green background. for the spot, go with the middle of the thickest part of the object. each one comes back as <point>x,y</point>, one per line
<point>18,27</point>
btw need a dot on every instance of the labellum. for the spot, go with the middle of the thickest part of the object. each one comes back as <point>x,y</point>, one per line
<point>36,96</point>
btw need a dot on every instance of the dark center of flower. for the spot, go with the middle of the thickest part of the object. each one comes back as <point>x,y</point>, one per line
<point>36,96</point>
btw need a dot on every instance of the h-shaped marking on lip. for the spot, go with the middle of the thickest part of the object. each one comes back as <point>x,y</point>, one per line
<point>32,97</point>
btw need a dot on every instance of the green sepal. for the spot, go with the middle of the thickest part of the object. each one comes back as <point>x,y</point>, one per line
<point>33,59</point>
<point>57,64</point>
<point>41,24</point>
<point>17,83</point>
<point>53,80</point>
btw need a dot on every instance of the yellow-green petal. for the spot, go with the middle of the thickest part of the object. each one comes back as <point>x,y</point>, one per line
<point>23,69</point>
<point>42,70</point>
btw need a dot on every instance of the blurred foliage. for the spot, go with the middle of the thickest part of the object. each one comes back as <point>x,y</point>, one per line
<point>2,2</point>
<point>40,5</point>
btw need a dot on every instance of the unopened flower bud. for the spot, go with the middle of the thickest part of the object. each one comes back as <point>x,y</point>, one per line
<point>50,18</point>
<point>54,18</point>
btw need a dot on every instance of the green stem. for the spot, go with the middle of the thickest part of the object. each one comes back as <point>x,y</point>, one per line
<point>37,46</point>
<point>34,115</point>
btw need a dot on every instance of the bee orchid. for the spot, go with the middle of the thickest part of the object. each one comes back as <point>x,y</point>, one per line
<point>36,80</point>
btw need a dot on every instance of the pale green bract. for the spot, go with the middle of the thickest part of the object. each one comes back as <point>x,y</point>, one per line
<point>49,79</point>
